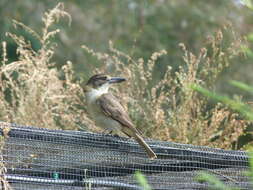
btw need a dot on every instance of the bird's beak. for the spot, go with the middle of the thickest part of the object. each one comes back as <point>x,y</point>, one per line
<point>116,80</point>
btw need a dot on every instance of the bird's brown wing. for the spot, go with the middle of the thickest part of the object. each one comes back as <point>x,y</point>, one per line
<point>112,108</point>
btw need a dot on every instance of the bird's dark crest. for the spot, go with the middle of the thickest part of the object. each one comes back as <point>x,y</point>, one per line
<point>96,77</point>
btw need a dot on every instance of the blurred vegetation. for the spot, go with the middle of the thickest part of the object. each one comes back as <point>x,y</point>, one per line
<point>162,47</point>
<point>138,28</point>
<point>143,182</point>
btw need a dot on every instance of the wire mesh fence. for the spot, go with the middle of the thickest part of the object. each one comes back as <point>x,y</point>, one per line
<point>39,159</point>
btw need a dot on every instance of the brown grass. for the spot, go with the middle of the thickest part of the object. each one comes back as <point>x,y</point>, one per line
<point>4,184</point>
<point>31,92</point>
<point>169,109</point>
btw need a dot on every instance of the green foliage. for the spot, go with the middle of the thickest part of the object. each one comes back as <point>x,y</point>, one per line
<point>142,180</point>
<point>250,172</point>
<point>214,182</point>
<point>236,105</point>
<point>242,86</point>
<point>248,3</point>
<point>136,27</point>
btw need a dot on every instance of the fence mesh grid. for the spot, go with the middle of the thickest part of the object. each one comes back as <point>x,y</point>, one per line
<point>39,159</point>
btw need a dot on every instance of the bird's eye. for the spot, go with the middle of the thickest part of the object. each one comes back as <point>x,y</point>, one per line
<point>101,81</point>
<point>103,78</point>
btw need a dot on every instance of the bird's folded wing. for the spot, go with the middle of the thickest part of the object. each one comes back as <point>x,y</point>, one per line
<point>112,108</point>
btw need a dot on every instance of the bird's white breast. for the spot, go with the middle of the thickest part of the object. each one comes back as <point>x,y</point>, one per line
<point>97,114</point>
<point>93,94</point>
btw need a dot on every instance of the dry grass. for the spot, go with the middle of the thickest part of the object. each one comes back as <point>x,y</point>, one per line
<point>169,109</point>
<point>31,92</point>
<point>4,184</point>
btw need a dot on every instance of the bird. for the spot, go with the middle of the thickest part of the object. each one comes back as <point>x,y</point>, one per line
<point>107,112</point>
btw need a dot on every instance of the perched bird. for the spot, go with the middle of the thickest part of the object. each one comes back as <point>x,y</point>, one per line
<point>107,111</point>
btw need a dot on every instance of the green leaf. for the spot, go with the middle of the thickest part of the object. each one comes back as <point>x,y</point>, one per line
<point>250,172</point>
<point>214,182</point>
<point>250,36</point>
<point>142,180</point>
<point>238,106</point>
<point>242,86</point>
<point>248,3</point>
<point>247,51</point>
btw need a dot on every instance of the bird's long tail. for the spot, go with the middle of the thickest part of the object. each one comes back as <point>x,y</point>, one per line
<point>147,148</point>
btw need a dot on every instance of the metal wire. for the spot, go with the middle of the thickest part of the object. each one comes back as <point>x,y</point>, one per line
<point>53,159</point>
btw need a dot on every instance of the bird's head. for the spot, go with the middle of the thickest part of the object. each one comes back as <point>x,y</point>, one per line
<point>101,82</point>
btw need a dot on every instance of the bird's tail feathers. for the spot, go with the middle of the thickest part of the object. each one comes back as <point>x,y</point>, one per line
<point>146,147</point>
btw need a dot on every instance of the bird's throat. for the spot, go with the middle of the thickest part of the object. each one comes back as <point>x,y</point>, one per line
<point>94,94</point>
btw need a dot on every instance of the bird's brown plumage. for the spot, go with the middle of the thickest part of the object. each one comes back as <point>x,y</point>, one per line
<point>113,109</point>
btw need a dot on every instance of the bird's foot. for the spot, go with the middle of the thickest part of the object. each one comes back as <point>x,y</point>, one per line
<point>107,131</point>
<point>111,132</point>
<point>116,135</point>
